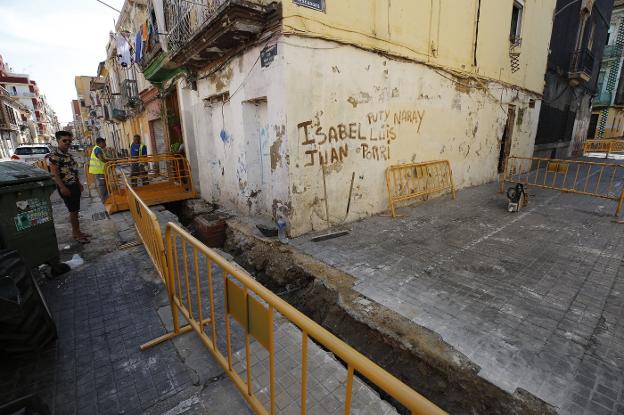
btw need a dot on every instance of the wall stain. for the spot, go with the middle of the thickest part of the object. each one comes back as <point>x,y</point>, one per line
<point>520,118</point>
<point>464,86</point>
<point>281,208</point>
<point>222,80</point>
<point>363,98</point>
<point>276,156</point>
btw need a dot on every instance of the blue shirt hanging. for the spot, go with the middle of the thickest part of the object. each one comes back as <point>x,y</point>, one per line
<point>138,43</point>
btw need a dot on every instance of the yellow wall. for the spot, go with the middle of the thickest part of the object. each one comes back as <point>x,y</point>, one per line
<point>615,123</point>
<point>440,32</point>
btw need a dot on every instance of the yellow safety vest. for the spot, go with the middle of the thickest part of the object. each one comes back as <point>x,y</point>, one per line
<point>96,166</point>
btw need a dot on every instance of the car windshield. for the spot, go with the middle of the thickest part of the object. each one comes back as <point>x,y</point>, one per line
<point>23,151</point>
<point>26,151</point>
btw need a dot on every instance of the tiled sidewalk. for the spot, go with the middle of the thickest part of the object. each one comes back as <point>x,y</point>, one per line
<point>535,298</point>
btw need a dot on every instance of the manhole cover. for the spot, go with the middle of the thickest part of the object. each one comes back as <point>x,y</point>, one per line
<point>99,216</point>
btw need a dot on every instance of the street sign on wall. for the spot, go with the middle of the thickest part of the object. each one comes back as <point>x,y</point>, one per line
<point>312,4</point>
<point>267,55</point>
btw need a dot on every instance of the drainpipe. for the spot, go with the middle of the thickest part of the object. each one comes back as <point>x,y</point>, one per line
<point>476,36</point>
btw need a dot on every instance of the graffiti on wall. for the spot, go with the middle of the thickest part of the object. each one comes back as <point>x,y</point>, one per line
<point>370,138</point>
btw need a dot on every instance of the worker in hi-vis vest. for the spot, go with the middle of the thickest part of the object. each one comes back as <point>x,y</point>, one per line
<point>138,170</point>
<point>96,167</point>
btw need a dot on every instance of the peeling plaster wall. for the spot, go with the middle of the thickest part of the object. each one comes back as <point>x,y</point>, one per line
<point>241,142</point>
<point>359,112</point>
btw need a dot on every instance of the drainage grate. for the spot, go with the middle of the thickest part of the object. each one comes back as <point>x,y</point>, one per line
<point>100,215</point>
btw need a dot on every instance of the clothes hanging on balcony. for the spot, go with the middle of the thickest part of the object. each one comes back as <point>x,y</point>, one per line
<point>138,46</point>
<point>123,50</point>
<point>144,32</point>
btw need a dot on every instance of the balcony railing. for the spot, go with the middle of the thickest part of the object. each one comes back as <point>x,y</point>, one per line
<point>611,51</point>
<point>581,65</point>
<point>184,19</point>
<point>603,99</point>
<point>130,93</point>
<point>117,109</point>
<point>204,30</point>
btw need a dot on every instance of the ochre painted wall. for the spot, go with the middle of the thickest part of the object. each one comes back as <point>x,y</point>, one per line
<point>440,32</point>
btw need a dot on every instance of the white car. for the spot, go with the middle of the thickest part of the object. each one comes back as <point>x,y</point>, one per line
<point>29,153</point>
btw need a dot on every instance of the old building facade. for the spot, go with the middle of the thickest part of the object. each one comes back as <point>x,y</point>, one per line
<point>580,32</point>
<point>607,119</point>
<point>283,102</point>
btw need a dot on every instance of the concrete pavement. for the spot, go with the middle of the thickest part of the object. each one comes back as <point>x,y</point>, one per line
<point>535,299</point>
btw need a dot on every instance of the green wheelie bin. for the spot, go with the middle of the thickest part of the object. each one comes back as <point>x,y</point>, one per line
<point>26,221</point>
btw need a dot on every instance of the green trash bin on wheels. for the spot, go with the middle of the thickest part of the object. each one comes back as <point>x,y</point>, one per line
<point>26,221</point>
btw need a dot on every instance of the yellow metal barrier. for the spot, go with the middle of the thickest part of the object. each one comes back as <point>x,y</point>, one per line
<point>411,181</point>
<point>191,271</point>
<point>608,146</point>
<point>90,179</point>
<point>148,229</point>
<point>602,180</point>
<point>253,307</point>
<point>42,164</point>
<point>158,178</point>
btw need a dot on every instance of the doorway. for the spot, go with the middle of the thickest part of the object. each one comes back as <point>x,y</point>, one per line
<point>257,153</point>
<point>593,123</point>
<point>505,147</point>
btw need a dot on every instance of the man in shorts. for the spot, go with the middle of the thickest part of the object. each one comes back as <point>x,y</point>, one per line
<point>64,171</point>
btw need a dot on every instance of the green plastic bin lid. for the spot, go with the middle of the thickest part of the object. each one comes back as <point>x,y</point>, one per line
<point>15,172</point>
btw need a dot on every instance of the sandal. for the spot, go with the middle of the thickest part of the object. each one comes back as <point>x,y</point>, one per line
<point>85,235</point>
<point>82,239</point>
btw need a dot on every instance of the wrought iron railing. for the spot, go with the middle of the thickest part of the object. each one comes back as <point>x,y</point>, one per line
<point>604,98</point>
<point>612,51</point>
<point>184,19</point>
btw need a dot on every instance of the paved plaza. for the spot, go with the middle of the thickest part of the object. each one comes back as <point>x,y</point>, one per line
<point>535,298</point>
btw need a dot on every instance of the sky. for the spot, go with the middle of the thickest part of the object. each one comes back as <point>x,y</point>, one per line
<point>55,40</point>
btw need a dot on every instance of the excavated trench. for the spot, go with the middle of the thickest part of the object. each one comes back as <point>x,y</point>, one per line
<point>414,354</point>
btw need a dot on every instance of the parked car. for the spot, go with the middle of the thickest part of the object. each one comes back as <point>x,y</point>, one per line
<point>29,153</point>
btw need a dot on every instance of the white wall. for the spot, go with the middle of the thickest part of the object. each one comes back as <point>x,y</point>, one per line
<point>241,143</point>
<point>362,112</point>
<point>365,112</point>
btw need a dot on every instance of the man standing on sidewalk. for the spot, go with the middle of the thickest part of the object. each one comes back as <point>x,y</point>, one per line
<point>96,167</point>
<point>138,170</point>
<point>64,171</point>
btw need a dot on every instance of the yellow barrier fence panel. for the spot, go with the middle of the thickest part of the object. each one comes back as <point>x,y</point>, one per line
<point>608,146</point>
<point>601,180</point>
<point>197,276</point>
<point>418,180</point>
<point>42,164</point>
<point>148,230</point>
<point>157,178</point>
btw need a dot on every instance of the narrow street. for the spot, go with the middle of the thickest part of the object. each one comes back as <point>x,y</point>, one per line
<point>312,207</point>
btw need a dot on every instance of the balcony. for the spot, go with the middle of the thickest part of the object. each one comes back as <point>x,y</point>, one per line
<point>611,51</point>
<point>581,66</point>
<point>117,109</point>
<point>130,93</point>
<point>8,126</point>
<point>201,33</point>
<point>602,100</point>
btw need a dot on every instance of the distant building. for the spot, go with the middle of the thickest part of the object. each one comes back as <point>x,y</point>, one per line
<point>16,123</point>
<point>607,119</point>
<point>26,91</point>
<point>580,31</point>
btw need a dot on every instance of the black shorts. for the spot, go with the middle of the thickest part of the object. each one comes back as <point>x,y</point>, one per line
<point>73,201</point>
